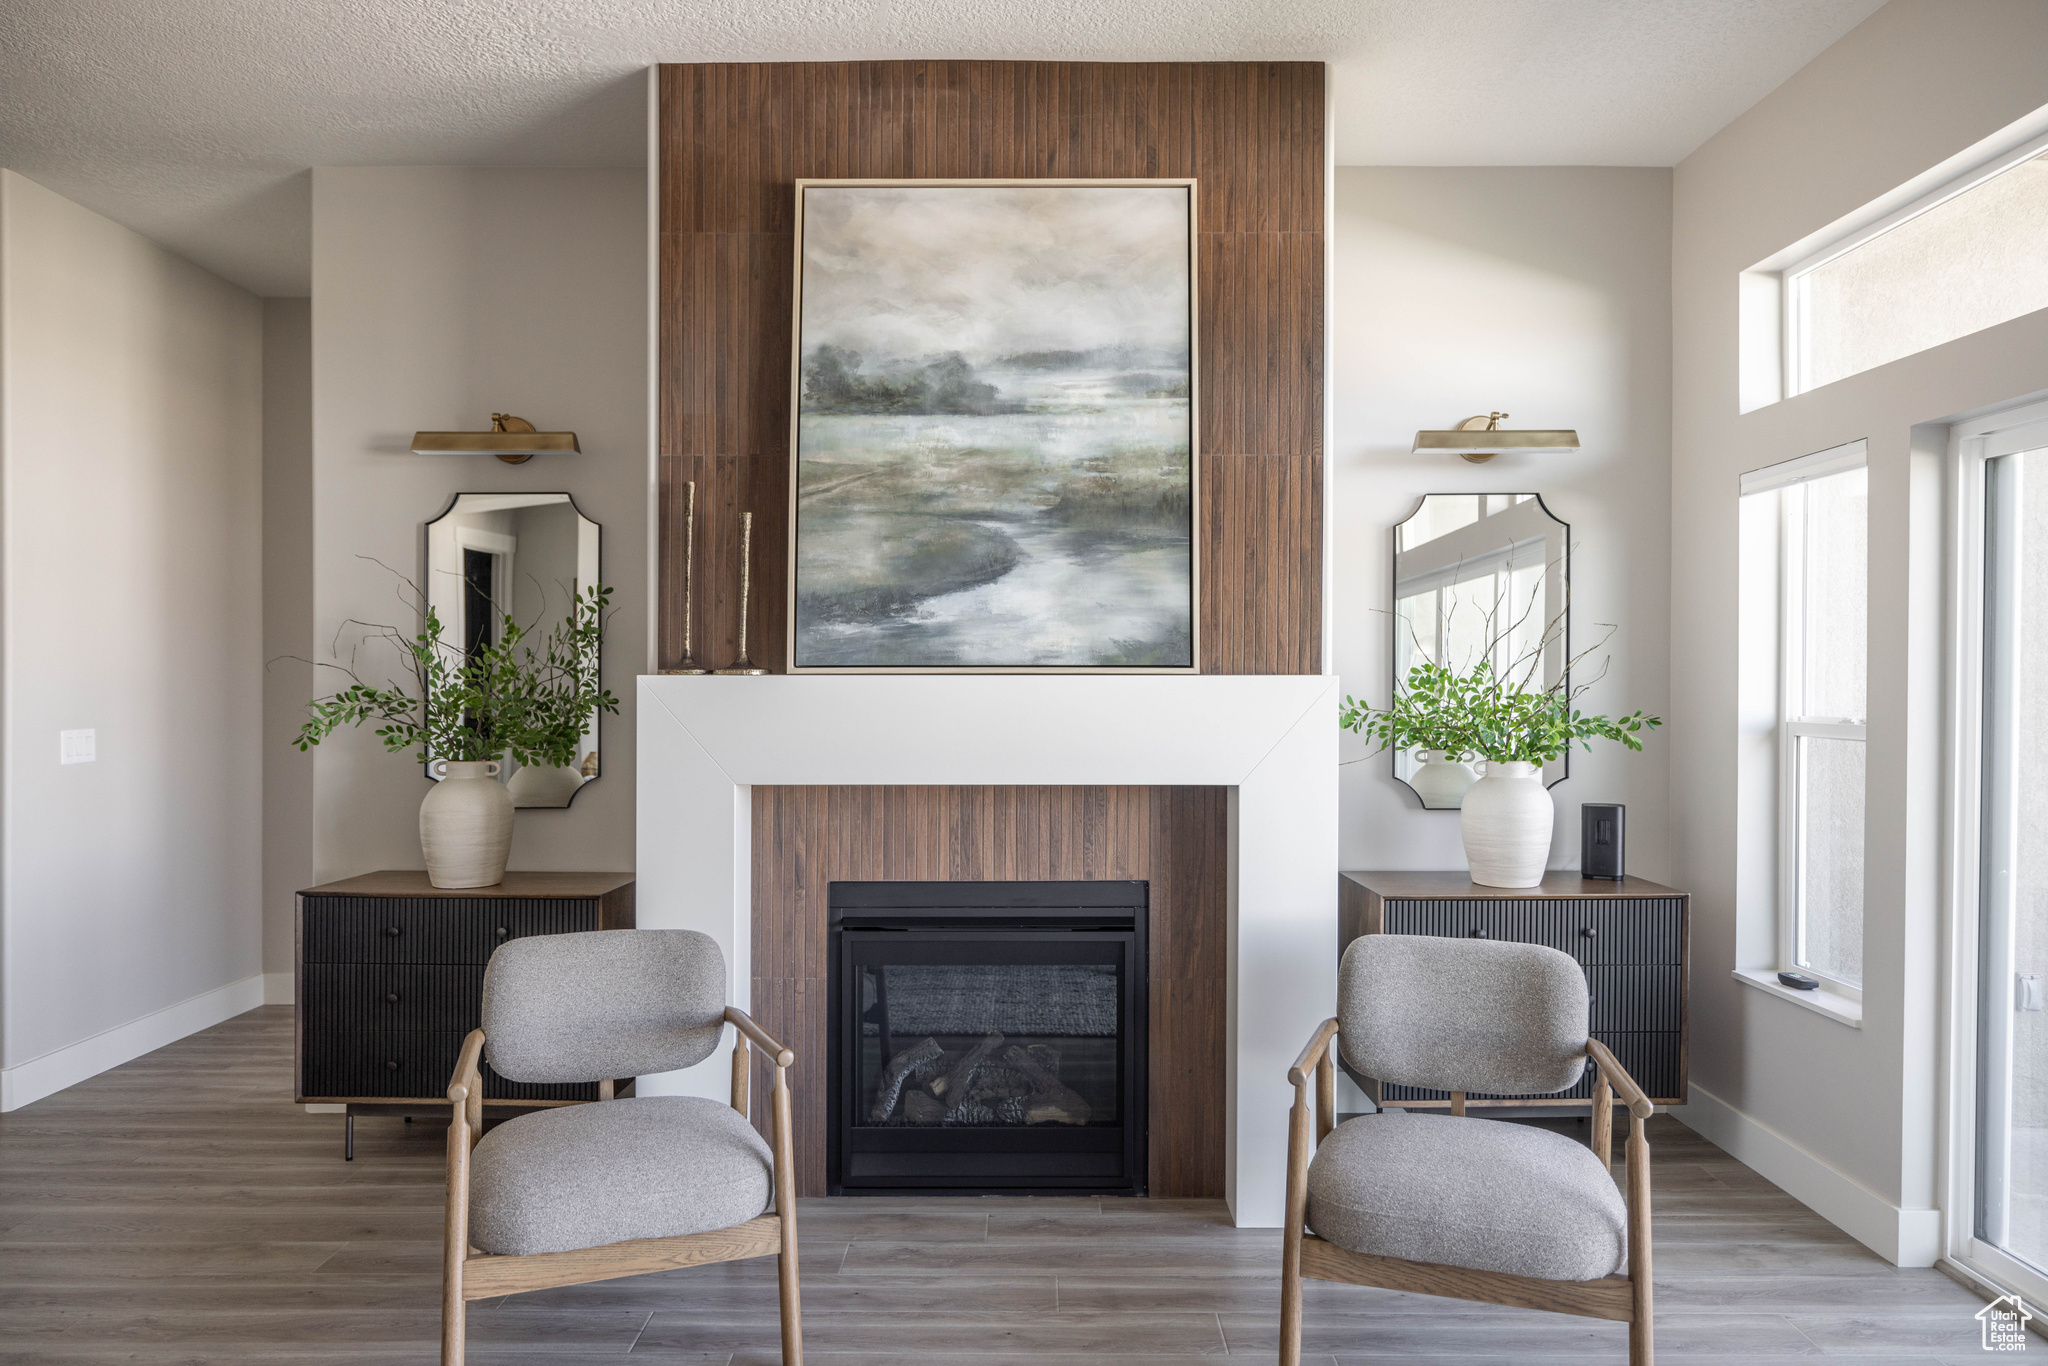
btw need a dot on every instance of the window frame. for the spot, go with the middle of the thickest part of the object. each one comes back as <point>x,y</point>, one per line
<point>1794,322</point>
<point>1795,725</point>
<point>1972,446</point>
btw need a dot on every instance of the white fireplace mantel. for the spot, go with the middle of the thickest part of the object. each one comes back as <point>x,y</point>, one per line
<point>1271,739</point>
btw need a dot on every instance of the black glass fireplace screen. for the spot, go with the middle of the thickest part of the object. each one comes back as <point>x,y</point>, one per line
<point>987,1036</point>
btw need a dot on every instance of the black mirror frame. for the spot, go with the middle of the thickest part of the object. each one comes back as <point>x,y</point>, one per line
<point>427,569</point>
<point>1394,627</point>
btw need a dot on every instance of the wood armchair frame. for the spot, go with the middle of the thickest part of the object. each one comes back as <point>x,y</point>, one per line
<point>468,1274</point>
<point>1625,1299</point>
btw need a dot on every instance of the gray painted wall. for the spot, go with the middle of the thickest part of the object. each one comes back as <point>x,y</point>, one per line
<point>1544,292</point>
<point>1849,1119</point>
<point>442,295</point>
<point>288,641</point>
<point>131,439</point>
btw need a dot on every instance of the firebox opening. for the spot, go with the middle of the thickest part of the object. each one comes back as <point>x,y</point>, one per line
<point>987,1037</point>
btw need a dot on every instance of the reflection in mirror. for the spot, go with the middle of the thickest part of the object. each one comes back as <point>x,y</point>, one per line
<point>525,555</point>
<point>1478,577</point>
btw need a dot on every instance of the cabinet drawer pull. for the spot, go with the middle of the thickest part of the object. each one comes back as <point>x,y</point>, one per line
<point>391,997</point>
<point>1475,934</point>
<point>391,1064</point>
<point>1588,932</point>
<point>393,931</point>
<point>502,931</point>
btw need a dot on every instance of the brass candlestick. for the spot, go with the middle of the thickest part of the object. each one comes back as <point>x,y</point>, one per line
<point>744,665</point>
<point>688,663</point>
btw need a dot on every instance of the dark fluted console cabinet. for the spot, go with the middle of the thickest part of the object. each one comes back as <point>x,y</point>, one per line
<point>1634,939</point>
<point>391,979</point>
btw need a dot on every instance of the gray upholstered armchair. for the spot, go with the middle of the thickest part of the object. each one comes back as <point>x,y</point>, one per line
<point>1458,1206</point>
<point>621,1187</point>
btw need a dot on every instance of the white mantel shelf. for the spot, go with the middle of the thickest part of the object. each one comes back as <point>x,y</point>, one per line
<point>1271,739</point>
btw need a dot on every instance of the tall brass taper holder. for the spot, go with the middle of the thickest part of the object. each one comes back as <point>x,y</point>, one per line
<point>688,663</point>
<point>744,665</point>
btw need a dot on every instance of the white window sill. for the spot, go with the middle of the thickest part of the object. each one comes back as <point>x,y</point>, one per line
<point>1832,1004</point>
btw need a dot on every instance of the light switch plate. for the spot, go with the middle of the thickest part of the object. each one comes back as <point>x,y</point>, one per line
<point>77,746</point>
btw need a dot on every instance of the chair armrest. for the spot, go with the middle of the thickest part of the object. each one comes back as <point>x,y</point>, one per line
<point>744,1023</point>
<point>1618,1077</point>
<point>1298,1074</point>
<point>466,1066</point>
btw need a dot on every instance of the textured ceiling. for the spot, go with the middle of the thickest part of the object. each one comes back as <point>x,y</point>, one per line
<point>194,121</point>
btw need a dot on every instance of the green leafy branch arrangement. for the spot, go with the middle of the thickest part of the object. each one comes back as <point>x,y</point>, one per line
<point>499,699</point>
<point>564,692</point>
<point>1495,713</point>
<point>1429,711</point>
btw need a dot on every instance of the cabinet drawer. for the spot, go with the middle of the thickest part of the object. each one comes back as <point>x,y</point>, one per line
<point>1635,999</point>
<point>348,998</point>
<point>1646,931</point>
<point>350,929</point>
<point>409,1064</point>
<point>1592,931</point>
<point>1652,1057</point>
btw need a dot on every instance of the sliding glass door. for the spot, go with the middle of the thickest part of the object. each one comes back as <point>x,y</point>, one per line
<point>2012,1079</point>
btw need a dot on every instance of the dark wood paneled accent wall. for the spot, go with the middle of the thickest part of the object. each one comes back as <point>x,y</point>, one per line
<point>1173,837</point>
<point>735,138</point>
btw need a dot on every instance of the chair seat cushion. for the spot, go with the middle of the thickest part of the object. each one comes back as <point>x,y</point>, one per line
<point>1474,1193</point>
<point>586,1175</point>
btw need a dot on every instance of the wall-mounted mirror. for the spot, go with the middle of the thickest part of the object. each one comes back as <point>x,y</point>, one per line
<point>1479,577</point>
<point>526,555</point>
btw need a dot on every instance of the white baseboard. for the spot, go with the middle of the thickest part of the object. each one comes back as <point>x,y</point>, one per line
<point>1903,1237</point>
<point>279,988</point>
<point>53,1071</point>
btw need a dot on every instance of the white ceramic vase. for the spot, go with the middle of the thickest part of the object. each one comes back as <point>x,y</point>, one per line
<point>466,824</point>
<point>1441,781</point>
<point>1506,824</point>
<point>535,785</point>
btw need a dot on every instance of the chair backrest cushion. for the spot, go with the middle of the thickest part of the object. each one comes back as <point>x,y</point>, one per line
<point>610,1003</point>
<point>1462,1014</point>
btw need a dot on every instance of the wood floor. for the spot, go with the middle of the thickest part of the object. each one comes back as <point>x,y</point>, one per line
<point>181,1209</point>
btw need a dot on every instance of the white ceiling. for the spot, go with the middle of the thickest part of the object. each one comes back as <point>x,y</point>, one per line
<point>193,121</point>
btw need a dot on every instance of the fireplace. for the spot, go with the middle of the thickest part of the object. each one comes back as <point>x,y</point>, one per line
<point>987,1037</point>
<point>919,782</point>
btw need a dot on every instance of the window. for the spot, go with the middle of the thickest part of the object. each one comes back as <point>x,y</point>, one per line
<point>1970,255</point>
<point>1804,528</point>
<point>1820,744</point>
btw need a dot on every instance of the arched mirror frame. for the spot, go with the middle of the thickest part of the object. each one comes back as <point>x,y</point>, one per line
<point>1553,773</point>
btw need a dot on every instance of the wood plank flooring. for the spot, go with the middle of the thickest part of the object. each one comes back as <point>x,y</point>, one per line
<point>181,1210</point>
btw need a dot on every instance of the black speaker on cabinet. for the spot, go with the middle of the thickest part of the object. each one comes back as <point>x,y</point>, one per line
<point>1600,839</point>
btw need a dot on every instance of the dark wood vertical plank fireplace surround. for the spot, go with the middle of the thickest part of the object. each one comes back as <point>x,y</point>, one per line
<point>1171,839</point>
<point>734,139</point>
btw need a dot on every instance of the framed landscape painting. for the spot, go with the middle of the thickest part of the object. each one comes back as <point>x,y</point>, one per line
<point>994,440</point>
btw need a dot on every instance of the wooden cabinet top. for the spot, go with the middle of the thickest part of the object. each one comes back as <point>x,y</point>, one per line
<point>1461,887</point>
<point>413,883</point>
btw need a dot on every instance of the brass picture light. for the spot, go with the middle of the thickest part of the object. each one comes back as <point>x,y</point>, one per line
<point>512,439</point>
<point>1479,439</point>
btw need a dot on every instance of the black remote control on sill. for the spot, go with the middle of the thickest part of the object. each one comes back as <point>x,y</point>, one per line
<point>1799,981</point>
